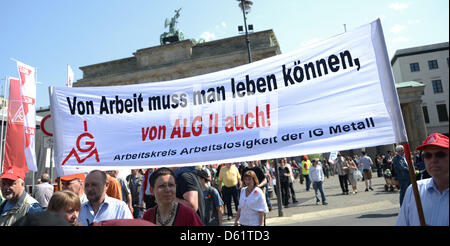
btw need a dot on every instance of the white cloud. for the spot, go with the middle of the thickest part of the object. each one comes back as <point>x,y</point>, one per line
<point>399,6</point>
<point>400,40</point>
<point>397,28</point>
<point>208,36</point>
<point>224,24</point>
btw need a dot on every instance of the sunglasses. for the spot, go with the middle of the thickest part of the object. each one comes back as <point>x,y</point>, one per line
<point>439,155</point>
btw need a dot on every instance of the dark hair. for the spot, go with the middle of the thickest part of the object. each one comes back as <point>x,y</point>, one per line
<point>160,172</point>
<point>102,175</point>
<point>45,178</point>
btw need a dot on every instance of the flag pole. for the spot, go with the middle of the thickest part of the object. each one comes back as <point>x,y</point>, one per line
<point>6,131</point>
<point>3,122</point>
<point>412,176</point>
<point>34,178</point>
<point>58,180</point>
<point>278,189</point>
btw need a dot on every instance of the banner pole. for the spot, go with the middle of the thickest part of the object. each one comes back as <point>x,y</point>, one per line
<point>4,103</point>
<point>412,176</point>
<point>34,139</point>
<point>278,189</point>
<point>59,183</point>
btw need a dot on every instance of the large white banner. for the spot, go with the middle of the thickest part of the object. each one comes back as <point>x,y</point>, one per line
<point>334,95</point>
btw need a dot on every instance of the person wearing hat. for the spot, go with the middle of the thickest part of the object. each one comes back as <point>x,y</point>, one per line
<point>433,191</point>
<point>213,201</point>
<point>306,165</point>
<point>17,201</point>
<point>75,183</point>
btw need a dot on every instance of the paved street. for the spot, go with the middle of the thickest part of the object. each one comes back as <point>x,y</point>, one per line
<point>373,208</point>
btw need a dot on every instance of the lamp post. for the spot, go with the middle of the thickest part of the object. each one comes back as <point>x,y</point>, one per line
<point>245,5</point>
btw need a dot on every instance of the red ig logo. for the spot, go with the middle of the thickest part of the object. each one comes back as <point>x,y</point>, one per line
<point>91,145</point>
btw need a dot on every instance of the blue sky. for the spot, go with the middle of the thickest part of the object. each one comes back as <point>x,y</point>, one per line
<point>50,34</point>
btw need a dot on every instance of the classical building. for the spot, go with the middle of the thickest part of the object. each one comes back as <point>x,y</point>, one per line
<point>428,65</point>
<point>409,94</point>
<point>180,60</point>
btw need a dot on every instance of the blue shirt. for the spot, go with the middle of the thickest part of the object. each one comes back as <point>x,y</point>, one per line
<point>434,204</point>
<point>216,196</point>
<point>365,161</point>
<point>35,207</point>
<point>110,209</point>
<point>212,201</point>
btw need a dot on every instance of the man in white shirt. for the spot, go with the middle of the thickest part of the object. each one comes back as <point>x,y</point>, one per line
<point>433,191</point>
<point>317,177</point>
<point>101,207</point>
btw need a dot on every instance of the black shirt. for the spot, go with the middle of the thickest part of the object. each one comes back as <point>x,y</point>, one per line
<point>259,173</point>
<point>283,179</point>
<point>135,183</point>
<point>188,181</point>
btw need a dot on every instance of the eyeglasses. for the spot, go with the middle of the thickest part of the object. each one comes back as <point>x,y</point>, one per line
<point>439,155</point>
<point>67,183</point>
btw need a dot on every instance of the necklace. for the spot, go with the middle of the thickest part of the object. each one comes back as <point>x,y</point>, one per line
<point>248,192</point>
<point>170,217</point>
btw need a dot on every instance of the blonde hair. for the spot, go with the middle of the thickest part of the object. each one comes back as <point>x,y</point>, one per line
<point>64,199</point>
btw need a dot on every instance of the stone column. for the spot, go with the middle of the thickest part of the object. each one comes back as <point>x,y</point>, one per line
<point>406,112</point>
<point>419,127</point>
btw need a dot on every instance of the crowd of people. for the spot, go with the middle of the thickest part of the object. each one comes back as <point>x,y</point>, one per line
<point>202,195</point>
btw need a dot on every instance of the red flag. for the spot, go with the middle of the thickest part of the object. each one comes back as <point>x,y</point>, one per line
<point>15,139</point>
<point>28,92</point>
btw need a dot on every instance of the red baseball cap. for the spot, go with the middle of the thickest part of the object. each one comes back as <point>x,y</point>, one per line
<point>435,139</point>
<point>71,177</point>
<point>13,174</point>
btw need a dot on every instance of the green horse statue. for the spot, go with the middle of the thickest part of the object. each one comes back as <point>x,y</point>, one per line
<point>173,35</point>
